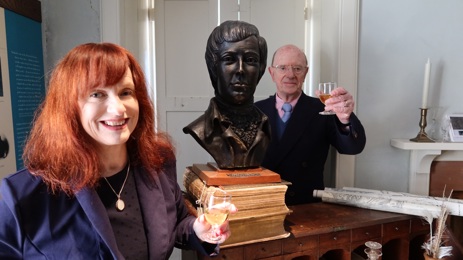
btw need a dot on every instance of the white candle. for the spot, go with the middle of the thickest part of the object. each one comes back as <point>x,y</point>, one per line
<point>427,72</point>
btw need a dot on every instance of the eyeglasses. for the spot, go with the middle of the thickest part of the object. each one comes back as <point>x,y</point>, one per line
<point>285,68</point>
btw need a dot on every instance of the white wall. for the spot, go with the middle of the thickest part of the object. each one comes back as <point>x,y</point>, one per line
<point>396,38</point>
<point>65,24</point>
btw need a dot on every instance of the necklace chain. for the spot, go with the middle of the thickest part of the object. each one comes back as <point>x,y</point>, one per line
<point>120,205</point>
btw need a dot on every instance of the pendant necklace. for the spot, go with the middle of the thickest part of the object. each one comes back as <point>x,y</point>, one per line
<point>120,204</point>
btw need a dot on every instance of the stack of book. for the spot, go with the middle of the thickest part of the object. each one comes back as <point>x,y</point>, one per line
<point>261,206</point>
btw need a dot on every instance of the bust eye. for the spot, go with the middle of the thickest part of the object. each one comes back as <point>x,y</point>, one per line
<point>227,58</point>
<point>252,60</point>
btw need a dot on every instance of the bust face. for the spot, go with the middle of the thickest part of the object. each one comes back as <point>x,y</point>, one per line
<point>238,71</point>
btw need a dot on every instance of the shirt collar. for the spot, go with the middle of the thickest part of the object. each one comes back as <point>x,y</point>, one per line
<point>279,104</point>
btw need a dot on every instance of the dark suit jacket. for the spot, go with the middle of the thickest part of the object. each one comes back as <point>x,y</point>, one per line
<point>300,155</point>
<point>37,225</point>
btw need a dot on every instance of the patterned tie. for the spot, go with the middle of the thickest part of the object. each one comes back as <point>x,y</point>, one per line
<point>287,108</point>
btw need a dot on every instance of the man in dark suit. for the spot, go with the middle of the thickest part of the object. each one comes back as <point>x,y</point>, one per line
<point>300,146</point>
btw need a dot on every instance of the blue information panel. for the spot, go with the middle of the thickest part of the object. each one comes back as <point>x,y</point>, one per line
<point>26,72</point>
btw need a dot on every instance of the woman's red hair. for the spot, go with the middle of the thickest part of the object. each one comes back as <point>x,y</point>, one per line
<point>59,150</point>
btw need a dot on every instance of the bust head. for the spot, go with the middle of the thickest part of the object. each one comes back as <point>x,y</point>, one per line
<point>236,58</point>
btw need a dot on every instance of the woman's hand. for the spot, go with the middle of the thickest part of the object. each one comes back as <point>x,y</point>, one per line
<point>201,226</point>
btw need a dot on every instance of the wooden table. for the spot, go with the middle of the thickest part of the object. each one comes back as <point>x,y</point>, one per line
<point>334,232</point>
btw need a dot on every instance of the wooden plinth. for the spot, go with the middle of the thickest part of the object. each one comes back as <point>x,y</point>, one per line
<point>213,175</point>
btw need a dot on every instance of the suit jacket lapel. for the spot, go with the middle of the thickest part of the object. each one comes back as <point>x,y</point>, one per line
<point>153,205</point>
<point>273,116</point>
<point>301,118</point>
<point>96,213</point>
<point>299,121</point>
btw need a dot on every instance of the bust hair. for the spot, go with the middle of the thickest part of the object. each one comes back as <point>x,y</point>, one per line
<point>232,31</point>
<point>59,150</point>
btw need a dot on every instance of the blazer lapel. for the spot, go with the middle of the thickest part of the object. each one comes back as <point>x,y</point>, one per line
<point>154,210</point>
<point>301,118</point>
<point>273,116</point>
<point>96,213</point>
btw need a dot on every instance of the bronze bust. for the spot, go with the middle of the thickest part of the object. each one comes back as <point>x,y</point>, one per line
<point>232,130</point>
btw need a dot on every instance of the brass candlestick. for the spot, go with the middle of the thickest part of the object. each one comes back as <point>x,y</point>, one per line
<point>422,137</point>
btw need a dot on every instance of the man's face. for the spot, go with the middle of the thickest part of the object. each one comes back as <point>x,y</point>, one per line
<point>238,71</point>
<point>288,83</point>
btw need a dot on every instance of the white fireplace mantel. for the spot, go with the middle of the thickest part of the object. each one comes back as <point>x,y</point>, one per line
<point>421,157</point>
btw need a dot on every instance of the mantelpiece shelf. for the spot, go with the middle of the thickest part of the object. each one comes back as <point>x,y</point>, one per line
<point>421,157</point>
<point>406,144</point>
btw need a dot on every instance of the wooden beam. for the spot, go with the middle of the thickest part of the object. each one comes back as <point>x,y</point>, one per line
<point>28,8</point>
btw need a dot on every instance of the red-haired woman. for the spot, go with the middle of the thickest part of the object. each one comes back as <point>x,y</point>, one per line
<point>99,182</point>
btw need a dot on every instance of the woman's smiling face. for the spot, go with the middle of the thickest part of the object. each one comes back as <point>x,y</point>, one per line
<point>109,114</point>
